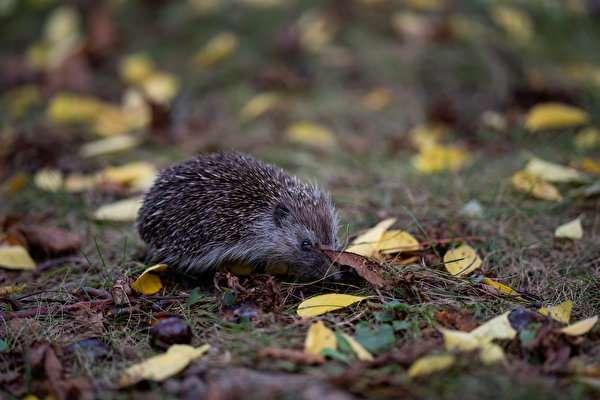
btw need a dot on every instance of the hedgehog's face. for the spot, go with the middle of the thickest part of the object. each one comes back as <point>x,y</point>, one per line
<point>313,225</point>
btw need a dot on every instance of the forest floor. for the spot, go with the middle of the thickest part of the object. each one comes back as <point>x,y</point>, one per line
<point>420,111</point>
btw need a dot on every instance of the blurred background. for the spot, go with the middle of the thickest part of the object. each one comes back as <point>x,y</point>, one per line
<point>346,91</point>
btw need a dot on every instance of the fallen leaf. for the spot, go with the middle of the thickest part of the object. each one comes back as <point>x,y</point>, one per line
<point>316,31</point>
<point>109,145</point>
<point>378,340</point>
<point>580,328</point>
<point>16,257</point>
<point>367,243</point>
<point>545,116</point>
<point>161,87</point>
<point>462,260</point>
<point>497,328</point>
<point>527,182</point>
<point>122,210</point>
<point>324,303</point>
<point>396,241</point>
<point>570,230</point>
<point>492,353</point>
<point>458,340</point>
<point>318,338</point>
<point>6,290</point>
<point>590,166</point>
<point>368,269</point>
<point>502,288</point>
<point>553,172</point>
<point>587,139</point>
<point>136,68</point>
<point>307,133</point>
<point>48,179</point>
<point>68,108</point>
<point>517,24</point>
<point>51,242</point>
<point>430,364</point>
<point>377,99</point>
<point>163,366</point>
<point>429,135</point>
<point>361,353</point>
<point>217,49</point>
<point>466,341</point>
<point>149,283</point>
<point>130,174</point>
<point>560,312</point>
<point>259,105</point>
<point>439,158</point>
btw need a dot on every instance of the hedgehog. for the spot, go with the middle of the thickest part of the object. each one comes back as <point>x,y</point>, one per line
<point>226,208</point>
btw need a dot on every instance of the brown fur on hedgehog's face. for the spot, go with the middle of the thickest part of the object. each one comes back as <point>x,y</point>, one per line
<point>296,226</point>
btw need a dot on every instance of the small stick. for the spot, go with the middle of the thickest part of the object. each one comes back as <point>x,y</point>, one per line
<point>47,310</point>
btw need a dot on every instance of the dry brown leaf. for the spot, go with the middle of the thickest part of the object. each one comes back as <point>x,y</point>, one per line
<point>370,270</point>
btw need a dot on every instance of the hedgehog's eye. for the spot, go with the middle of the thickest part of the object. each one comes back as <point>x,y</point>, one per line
<point>305,243</point>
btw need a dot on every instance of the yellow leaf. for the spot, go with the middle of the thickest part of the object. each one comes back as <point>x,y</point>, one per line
<point>318,338</point>
<point>122,210</point>
<point>458,340</point>
<point>15,257</point>
<point>587,139</point>
<point>217,49</point>
<point>367,243</point>
<point>497,328</point>
<point>553,116</point>
<point>428,135</point>
<point>430,364</point>
<point>502,288</point>
<point>516,23</point>
<point>70,108</point>
<point>130,173</point>
<point>361,353</point>
<point>553,172</point>
<point>560,313</point>
<point>161,87</point>
<point>262,3</point>
<point>470,260</point>
<point>48,179</point>
<point>6,290</point>
<point>570,230</point>
<point>377,99</point>
<point>259,105</point>
<point>163,366</point>
<point>113,121</point>
<point>465,341</point>
<point>148,283</point>
<point>136,107</point>
<point>590,166</point>
<point>307,133</point>
<point>527,182</point>
<point>425,5</point>
<point>581,327</point>
<point>109,145</point>
<point>438,158</point>
<point>492,353</point>
<point>61,34</point>
<point>396,241</point>
<point>324,303</point>
<point>316,31</point>
<point>136,68</point>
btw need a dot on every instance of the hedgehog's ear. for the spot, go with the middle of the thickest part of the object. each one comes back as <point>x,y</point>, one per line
<point>280,213</point>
